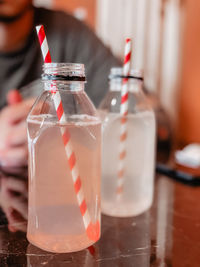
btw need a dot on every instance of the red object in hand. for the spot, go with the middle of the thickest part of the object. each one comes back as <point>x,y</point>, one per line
<point>14,97</point>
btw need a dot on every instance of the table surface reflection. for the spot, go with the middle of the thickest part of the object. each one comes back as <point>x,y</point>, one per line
<point>166,235</point>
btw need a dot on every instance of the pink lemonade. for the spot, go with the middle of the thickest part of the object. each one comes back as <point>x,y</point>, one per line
<point>55,222</point>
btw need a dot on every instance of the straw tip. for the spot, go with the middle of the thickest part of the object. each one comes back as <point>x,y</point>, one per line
<point>128,40</point>
<point>93,231</point>
<point>38,27</point>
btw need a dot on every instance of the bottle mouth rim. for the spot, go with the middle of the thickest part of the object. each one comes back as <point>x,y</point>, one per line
<point>115,76</point>
<point>63,72</point>
<point>49,77</point>
<point>64,65</point>
<point>117,73</point>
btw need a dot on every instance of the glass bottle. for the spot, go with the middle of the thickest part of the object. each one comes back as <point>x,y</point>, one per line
<point>64,163</point>
<point>134,168</point>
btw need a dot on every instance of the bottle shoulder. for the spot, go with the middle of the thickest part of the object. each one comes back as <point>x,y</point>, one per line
<point>137,102</point>
<point>72,104</point>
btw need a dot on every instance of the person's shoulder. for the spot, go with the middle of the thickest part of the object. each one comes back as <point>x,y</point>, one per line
<point>58,21</point>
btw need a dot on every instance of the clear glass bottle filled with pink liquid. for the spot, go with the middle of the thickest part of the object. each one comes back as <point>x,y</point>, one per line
<point>64,140</point>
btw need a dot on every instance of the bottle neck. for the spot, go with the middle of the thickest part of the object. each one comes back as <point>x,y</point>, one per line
<point>135,79</point>
<point>63,76</point>
<point>73,86</point>
<point>134,85</point>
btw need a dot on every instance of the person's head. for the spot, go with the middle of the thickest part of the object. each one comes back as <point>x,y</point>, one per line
<point>11,10</point>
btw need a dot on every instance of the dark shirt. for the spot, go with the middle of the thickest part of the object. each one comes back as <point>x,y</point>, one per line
<point>69,41</point>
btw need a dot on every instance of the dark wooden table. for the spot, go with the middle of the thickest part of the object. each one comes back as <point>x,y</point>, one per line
<point>166,235</point>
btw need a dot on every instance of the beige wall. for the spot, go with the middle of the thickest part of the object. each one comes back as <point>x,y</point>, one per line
<point>156,29</point>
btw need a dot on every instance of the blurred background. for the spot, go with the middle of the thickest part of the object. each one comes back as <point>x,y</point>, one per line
<point>166,45</point>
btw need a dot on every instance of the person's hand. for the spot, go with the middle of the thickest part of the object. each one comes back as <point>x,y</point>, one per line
<point>13,200</point>
<point>13,134</point>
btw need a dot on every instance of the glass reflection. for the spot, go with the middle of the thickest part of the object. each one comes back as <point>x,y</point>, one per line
<point>14,197</point>
<point>125,241</point>
<point>37,257</point>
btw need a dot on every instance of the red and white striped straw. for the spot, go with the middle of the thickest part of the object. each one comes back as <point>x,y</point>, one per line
<point>43,44</point>
<point>93,230</point>
<point>124,113</point>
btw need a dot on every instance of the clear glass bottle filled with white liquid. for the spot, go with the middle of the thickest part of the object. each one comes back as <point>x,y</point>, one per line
<point>128,160</point>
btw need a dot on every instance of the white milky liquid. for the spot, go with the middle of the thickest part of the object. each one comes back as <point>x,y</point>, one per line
<point>138,181</point>
<point>54,221</point>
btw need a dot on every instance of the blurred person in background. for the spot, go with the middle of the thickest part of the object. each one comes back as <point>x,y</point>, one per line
<point>21,63</point>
